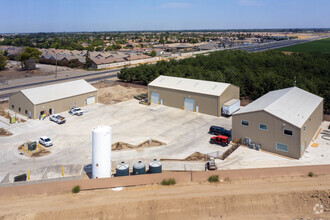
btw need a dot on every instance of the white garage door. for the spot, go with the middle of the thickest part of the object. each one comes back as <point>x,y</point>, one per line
<point>189,104</point>
<point>155,97</point>
<point>91,100</point>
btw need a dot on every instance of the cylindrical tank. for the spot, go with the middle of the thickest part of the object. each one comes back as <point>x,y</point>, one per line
<point>101,158</point>
<point>122,169</point>
<point>139,168</point>
<point>155,166</point>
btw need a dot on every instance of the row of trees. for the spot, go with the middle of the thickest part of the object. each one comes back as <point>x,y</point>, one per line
<point>255,73</point>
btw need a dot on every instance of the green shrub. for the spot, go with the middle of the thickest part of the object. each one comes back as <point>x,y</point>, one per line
<point>311,174</point>
<point>214,179</point>
<point>167,182</point>
<point>76,189</point>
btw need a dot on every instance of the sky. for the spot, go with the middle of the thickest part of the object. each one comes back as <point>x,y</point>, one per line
<point>26,16</point>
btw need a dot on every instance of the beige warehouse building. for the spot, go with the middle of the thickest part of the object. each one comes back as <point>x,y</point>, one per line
<point>282,121</point>
<point>53,98</point>
<point>192,95</point>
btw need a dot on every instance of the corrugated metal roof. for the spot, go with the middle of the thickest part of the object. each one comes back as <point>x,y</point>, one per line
<point>190,85</point>
<point>58,91</point>
<point>293,105</point>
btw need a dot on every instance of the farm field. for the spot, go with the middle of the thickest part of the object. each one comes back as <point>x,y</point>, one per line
<point>314,46</point>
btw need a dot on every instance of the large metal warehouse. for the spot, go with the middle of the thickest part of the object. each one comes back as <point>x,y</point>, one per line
<point>193,95</point>
<point>52,99</point>
<point>282,121</point>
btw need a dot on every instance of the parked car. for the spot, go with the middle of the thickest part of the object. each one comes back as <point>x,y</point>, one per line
<point>220,139</point>
<point>76,111</point>
<point>59,119</point>
<point>210,164</point>
<point>45,141</point>
<point>219,131</point>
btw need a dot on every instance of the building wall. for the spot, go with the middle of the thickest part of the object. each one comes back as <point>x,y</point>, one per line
<point>232,92</point>
<point>63,105</point>
<point>312,125</point>
<point>207,104</point>
<point>268,138</point>
<point>19,100</point>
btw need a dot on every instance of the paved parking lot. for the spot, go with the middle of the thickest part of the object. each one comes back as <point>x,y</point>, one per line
<point>183,132</point>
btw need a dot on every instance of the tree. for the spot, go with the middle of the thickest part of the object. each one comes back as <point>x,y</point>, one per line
<point>3,61</point>
<point>28,57</point>
<point>153,53</point>
<point>88,63</point>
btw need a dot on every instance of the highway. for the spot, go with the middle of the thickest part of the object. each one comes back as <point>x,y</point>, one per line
<point>88,77</point>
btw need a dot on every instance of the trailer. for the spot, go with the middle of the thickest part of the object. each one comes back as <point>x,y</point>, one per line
<point>231,106</point>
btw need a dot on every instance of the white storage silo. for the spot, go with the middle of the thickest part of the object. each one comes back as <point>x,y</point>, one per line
<point>101,158</point>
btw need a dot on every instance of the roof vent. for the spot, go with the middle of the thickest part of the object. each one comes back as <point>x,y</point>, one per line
<point>196,84</point>
<point>179,82</point>
<point>215,87</point>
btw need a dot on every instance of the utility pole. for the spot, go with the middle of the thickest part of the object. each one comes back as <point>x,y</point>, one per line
<point>56,65</point>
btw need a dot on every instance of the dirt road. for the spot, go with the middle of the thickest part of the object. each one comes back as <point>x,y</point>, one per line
<point>272,198</point>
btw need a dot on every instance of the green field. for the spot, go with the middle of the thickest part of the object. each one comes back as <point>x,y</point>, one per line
<point>314,46</point>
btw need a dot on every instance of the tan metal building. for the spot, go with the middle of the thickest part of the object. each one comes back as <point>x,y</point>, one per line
<point>53,98</point>
<point>282,121</point>
<point>193,95</point>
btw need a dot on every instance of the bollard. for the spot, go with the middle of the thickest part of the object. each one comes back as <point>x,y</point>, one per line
<point>29,152</point>
<point>29,175</point>
<point>63,171</point>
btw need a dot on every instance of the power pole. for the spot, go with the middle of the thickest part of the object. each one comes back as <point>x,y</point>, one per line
<point>56,65</point>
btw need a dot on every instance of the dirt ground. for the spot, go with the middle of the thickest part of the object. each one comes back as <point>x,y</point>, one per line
<point>271,198</point>
<point>14,71</point>
<point>110,94</point>
<point>124,146</point>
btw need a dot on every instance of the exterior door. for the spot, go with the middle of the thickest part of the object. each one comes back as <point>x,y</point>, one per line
<point>155,97</point>
<point>90,100</point>
<point>189,104</point>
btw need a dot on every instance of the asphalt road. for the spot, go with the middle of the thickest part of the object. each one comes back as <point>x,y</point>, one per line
<point>61,79</point>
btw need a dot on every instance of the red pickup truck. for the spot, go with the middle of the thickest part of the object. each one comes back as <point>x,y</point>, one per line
<point>220,139</point>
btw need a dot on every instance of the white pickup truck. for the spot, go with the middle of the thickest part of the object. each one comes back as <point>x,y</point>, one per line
<point>57,118</point>
<point>76,111</point>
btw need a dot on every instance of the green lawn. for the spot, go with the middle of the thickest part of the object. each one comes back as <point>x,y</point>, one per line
<point>314,46</point>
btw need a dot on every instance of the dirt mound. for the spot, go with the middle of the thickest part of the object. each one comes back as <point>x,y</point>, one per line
<point>4,132</point>
<point>197,156</point>
<point>109,94</point>
<point>125,146</point>
<point>39,152</point>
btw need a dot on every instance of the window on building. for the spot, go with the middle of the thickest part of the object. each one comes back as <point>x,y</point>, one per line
<point>282,147</point>
<point>245,123</point>
<point>305,127</point>
<point>263,127</point>
<point>19,109</point>
<point>26,112</point>
<point>287,132</point>
<point>12,106</point>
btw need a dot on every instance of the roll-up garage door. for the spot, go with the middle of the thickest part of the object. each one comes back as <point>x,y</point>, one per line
<point>155,97</point>
<point>91,100</point>
<point>189,104</point>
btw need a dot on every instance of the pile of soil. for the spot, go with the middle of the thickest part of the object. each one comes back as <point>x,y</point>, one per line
<point>39,153</point>
<point>4,132</point>
<point>109,94</point>
<point>125,146</point>
<point>197,156</point>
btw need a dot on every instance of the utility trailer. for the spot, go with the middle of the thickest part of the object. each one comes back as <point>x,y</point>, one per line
<point>230,107</point>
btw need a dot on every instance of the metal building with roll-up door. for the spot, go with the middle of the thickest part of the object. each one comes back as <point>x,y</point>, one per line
<point>192,95</point>
<point>52,99</point>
